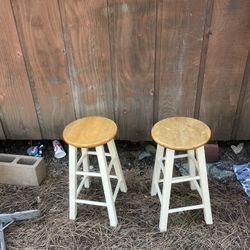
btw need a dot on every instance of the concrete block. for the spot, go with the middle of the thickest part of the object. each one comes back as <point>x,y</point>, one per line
<point>22,170</point>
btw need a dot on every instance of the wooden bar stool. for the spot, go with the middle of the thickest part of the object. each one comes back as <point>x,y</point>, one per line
<point>86,133</point>
<point>180,134</point>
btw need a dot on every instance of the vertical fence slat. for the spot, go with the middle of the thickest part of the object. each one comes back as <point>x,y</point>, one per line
<point>180,34</point>
<point>40,30</point>
<point>226,58</point>
<point>17,109</point>
<point>202,67</point>
<point>242,121</point>
<point>2,135</point>
<point>87,43</point>
<point>132,37</point>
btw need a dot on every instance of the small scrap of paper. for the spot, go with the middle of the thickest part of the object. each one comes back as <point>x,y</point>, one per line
<point>242,173</point>
<point>237,149</point>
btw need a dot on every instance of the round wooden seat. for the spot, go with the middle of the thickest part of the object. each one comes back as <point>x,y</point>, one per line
<point>89,132</point>
<point>181,133</point>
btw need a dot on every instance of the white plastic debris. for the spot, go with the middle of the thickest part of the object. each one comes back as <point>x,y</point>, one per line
<point>237,149</point>
<point>242,173</point>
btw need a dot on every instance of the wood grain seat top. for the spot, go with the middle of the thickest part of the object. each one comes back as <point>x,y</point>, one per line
<point>181,133</point>
<point>89,132</point>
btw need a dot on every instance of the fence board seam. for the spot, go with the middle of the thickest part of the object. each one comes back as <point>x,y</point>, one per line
<point>114,91</point>
<point>26,65</point>
<point>157,65</point>
<point>241,99</point>
<point>2,133</point>
<point>69,60</point>
<point>66,58</point>
<point>203,58</point>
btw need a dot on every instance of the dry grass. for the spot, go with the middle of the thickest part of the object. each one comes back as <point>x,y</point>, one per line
<point>138,215</point>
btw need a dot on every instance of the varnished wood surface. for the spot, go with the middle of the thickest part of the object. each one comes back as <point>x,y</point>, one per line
<point>181,133</point>
<point>17,111</point>
<point>89,132</point>
<point>42,39</point>
<point>226,60</point>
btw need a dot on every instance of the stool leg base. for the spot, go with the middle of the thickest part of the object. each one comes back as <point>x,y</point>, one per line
<point>117,165</point>
<point>86,166</point>
<point>192,169</point>
<point>157,169</point>
<point>197,163</point>
<point>204,185</point>
<point>72,182</point>
<point>166,190</point>
<point>106,185</point>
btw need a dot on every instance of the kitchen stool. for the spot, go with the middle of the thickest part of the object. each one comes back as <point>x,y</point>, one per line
<point>180,134</point>
<point>86,133</point>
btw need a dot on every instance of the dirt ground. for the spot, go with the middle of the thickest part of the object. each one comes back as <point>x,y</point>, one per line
<point>138,212</point>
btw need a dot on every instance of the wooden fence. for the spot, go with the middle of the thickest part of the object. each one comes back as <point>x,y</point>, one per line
<point>134,61</point>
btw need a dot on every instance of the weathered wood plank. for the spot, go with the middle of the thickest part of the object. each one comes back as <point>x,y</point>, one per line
<point>2,135</point>
<point>17,109</point>
<point>226,59</point>
<point>202,67</point>
<point>86,35</point>
<point>40,30</point>
<point>132,37</point>
<point>179,43</point>
<point>242,121</point>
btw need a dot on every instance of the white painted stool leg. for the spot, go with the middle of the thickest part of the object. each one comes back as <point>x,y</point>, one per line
<point>204,185</point>
<point>157,169</point>
<point>166,190</point>
<point>106,185</point>
<point>192,169</point>
<point>117,165</point>
<point>72,182</point>
<point>86,167</point>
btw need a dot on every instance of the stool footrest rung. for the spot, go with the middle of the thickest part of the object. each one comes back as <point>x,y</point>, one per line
<point>94,153</point>
<point>94,174</point>
<point>181,209</point>
<point>177,156</point>
<point>88,202</point>
<point>184,179</point>
<point>79,162</point>
<point>180,156</point>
